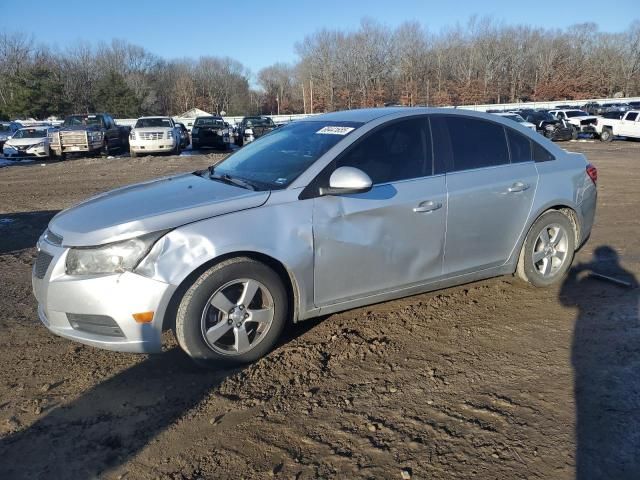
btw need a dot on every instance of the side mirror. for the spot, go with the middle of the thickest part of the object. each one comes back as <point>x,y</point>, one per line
<point>346,180</point>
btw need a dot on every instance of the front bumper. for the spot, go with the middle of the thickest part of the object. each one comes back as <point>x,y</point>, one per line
<point>13,152</point>
<point>117,296</point>
<point>164,145</point>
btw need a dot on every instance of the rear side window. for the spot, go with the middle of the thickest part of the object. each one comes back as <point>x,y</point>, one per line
<point>471,143</point>
<point>394,152</point>
<point>632,116</point>
<point>541,154</point>
<point>519,147</point>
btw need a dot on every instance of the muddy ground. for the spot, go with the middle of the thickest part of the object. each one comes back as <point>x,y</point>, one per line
<point>493,379</point>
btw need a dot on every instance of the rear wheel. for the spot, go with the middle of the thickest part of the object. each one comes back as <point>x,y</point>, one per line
<point>233,313</point>
<point>606,135</point>
<point>548,250</point>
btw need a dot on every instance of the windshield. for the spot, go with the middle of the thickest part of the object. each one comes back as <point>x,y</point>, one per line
<point>541,117</point>
<point>209,122</point>
<point>153,122</point>
<point>515,117</point>
<point>275,160</point>
<point>5,127</point>
<point>576,113</point>
<point>30,133</point>
<point>74,120</point>
<point>259,122</point>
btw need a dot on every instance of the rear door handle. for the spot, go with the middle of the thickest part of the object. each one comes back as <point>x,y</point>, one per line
<point>518,187</point>
<point>427,206</point>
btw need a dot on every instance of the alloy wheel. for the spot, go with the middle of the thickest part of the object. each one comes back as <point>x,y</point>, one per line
<point>237,316</point>
<point>550,250</point>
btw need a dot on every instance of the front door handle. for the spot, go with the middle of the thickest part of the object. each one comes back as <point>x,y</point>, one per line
<point>518,187</point>
<point>427,206</point>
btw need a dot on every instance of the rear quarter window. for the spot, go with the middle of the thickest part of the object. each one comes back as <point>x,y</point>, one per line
<point>519,147</point>
<point>541,154</point>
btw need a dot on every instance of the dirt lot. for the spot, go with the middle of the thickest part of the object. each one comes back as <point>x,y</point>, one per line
<point>490,380</point>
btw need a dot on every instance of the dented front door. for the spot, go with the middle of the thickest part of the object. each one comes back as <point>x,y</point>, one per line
<point>382,240</point>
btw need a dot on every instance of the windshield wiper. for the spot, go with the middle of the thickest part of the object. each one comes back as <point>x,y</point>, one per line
<point>228,179</point>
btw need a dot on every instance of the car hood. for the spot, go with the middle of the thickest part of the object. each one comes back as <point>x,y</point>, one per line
<point>150,206</point>
<point>25,141</point>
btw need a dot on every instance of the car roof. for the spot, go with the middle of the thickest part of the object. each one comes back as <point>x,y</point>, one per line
<point>155,116</point>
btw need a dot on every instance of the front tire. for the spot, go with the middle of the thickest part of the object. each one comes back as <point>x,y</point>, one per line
<point>606,135</point>
<point>233,313</point>
<point>548,250</point>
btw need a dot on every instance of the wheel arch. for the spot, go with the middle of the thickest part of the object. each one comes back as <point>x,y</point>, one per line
<point>563,207</point>
<point>287,277</point>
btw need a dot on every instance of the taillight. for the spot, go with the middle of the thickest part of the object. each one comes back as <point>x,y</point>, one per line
<point>592,171</point>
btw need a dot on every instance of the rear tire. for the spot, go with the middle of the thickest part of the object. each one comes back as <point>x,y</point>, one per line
<point>606,135</point>
<point>547,252</point>
<point>214,319</point>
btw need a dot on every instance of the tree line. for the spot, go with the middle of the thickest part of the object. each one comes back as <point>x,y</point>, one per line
<point>481,61</point>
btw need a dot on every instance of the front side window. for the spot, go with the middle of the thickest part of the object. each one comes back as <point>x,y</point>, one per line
<point>466,143</point>
<point>278,158</point>
<point>632,116</point>
<point>399,151</point>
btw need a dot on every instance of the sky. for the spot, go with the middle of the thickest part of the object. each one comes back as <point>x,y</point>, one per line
<point>259,33</point>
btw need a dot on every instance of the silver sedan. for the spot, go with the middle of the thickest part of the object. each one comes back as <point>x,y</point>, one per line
<point>325,214</point>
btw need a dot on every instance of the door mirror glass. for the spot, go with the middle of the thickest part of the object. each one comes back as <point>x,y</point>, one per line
<point>346,180</point>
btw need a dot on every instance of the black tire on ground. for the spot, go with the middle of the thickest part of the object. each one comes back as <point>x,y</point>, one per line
<point>105,151</point>
<point>606,135</point>
<point>195,146</point>
<point>189,329</point>
<point>535,248</point>
<point>177,149</point>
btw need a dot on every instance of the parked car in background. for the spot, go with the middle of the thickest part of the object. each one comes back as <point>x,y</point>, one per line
<point>89,133</point>
<point>251,128</point>
<point>184,135</point>
<point>334,212</point>
<point>516,117</point>
<point>593,108</point>
<point>628,126</point>
<point>634,104</point>
<point>547,125</point>
<point>28,142</point>
<point>580,121</point>
<point>210,132</point>
<point>616,107</point>
<point>7,129</point>
<point>154,135</point>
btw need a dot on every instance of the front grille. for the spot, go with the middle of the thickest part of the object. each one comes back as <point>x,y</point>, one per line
<point>73,137</point>
<point>43,260</point>
<point>98,324</point>
<point>151,135</point>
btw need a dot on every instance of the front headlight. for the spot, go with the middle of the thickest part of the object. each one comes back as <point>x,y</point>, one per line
<point>114,257</point>
<point>132,135</point>
<point>37,145</point>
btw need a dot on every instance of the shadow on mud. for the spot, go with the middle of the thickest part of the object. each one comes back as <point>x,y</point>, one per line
<point>109,423</point>
<point>113,421</point>
<point>606,361</point>
<point>22,230</point>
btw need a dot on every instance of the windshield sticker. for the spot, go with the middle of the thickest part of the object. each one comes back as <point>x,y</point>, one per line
<point>335,130</point>
<point>281,181</point>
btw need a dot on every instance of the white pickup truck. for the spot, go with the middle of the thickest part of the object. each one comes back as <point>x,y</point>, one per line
<point>628,126</point>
